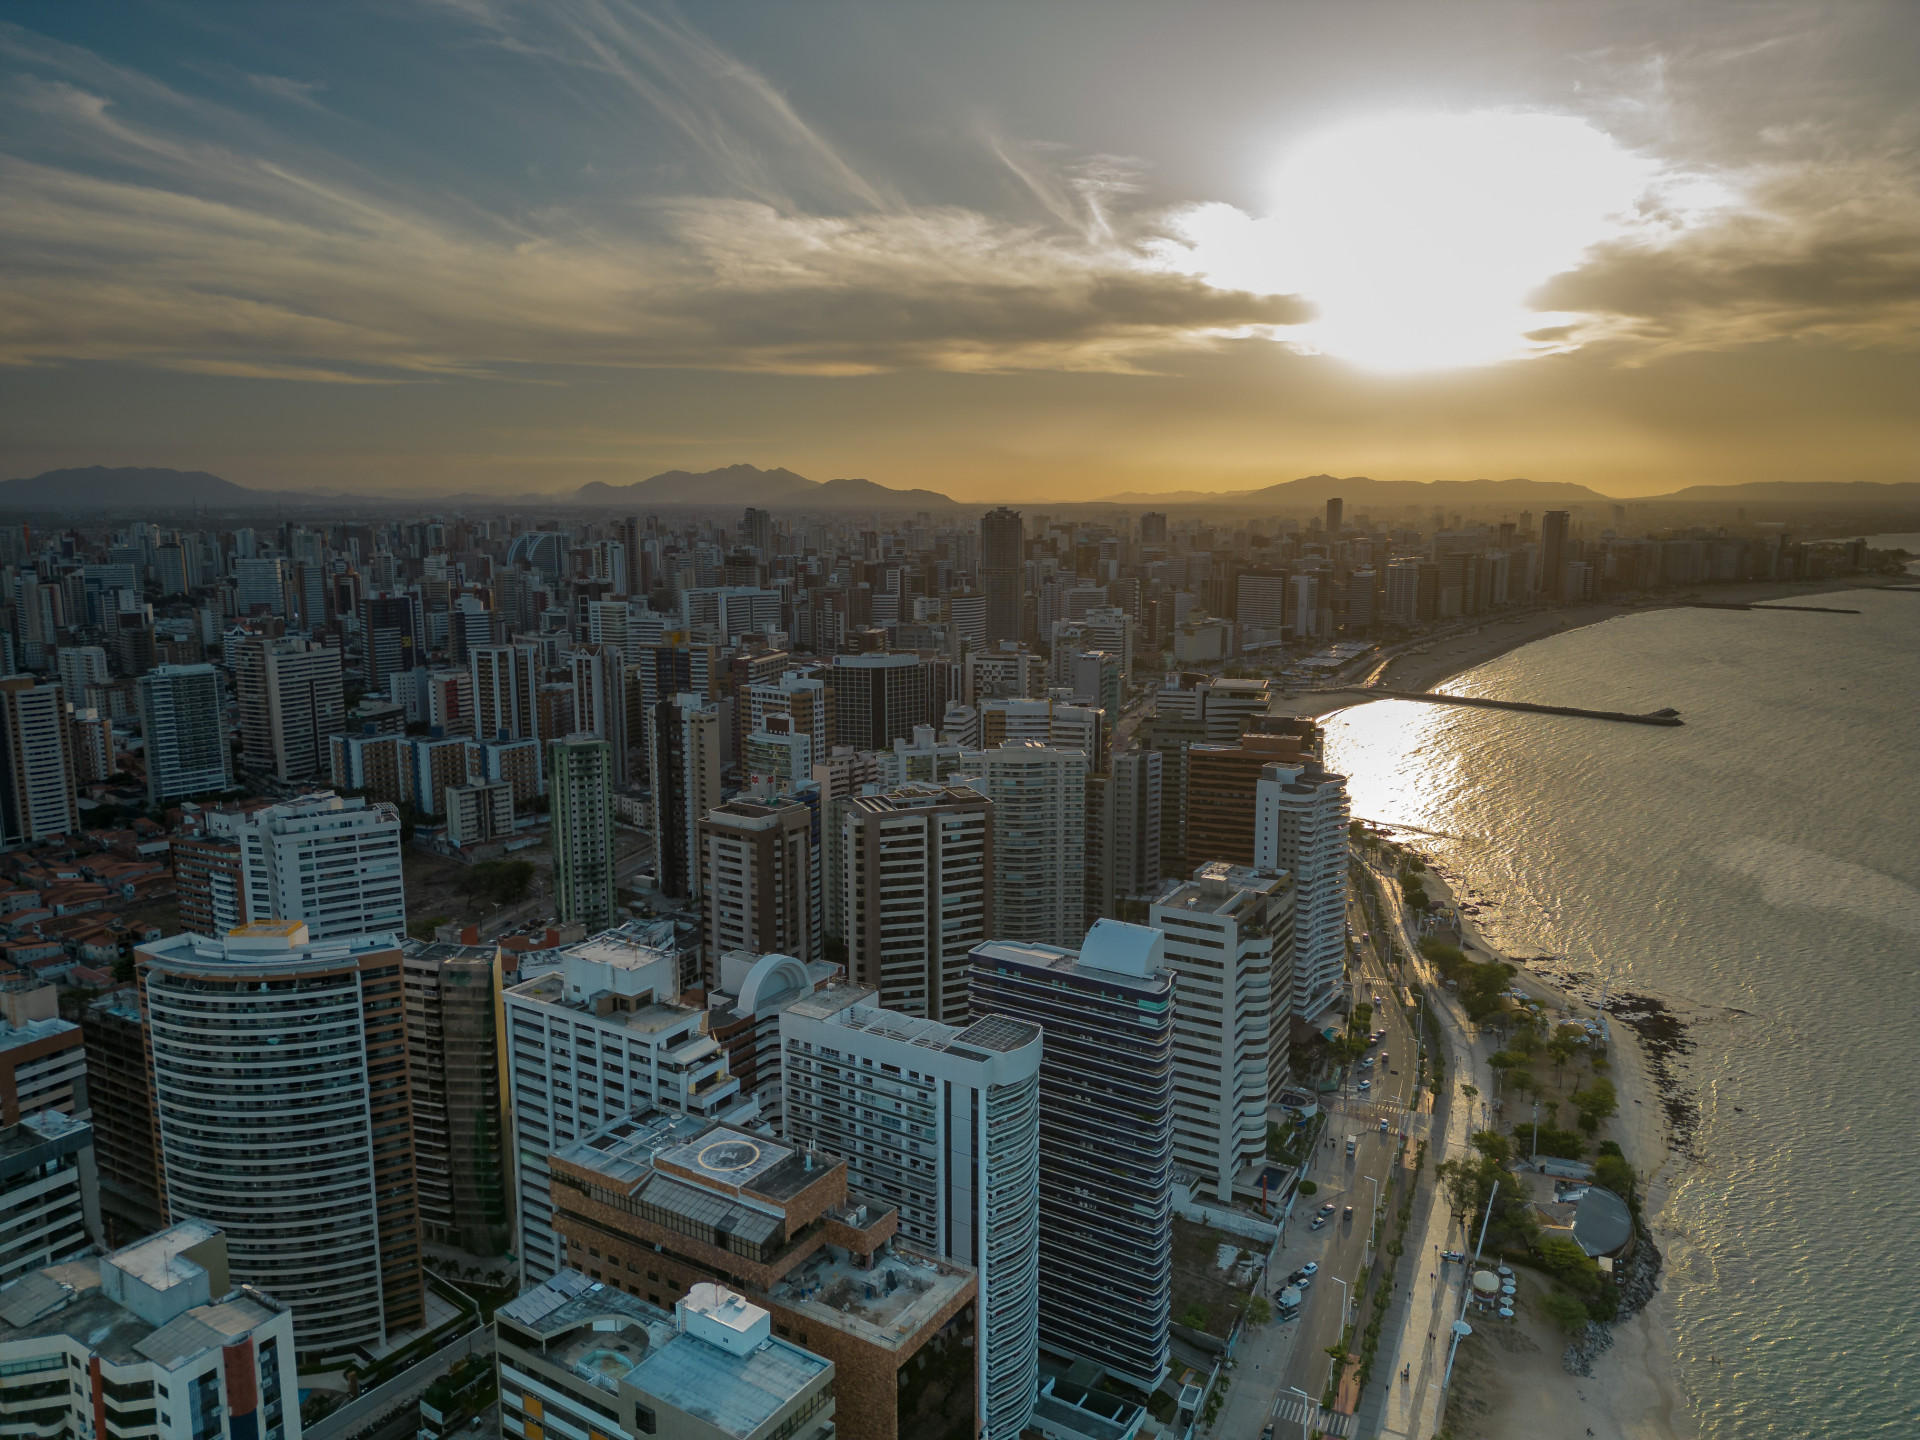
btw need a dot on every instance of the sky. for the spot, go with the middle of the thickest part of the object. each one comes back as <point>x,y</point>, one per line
<point>1004,251</point>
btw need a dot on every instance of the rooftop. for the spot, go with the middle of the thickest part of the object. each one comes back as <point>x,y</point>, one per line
<point>1218,888</point>
<point>844,1005</point>
<point>610,1339</point>
<point>277,948</point>
<point>886,1303</point>
<point>12,1035</point>
<point>549,988</point>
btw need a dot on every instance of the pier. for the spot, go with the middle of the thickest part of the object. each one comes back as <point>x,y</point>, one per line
<point>1657,717</point>
<point>1732,605</point>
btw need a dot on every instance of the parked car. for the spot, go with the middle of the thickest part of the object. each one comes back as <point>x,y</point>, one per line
<point>1457,1256</point>
<point>1328,1208</point>
<point>1312,1267</point>
<point>1366,1084</point>
<point>1318,1221</point>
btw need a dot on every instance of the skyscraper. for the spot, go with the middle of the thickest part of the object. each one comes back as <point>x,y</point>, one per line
<point>1039,839</point>
<point>1554,525</point>
<point>1003,574</point>
<point>1334,508</point>
<point>329,861</point>
<point>37,796</point>
<point>963,1166</point>
<point>685,768</point>
<point>393,637</point>
<point>614,998</point>
<point>580,774</point>
<point>879,698</point>
<point>506,682</point>
<point>459,1114</point>
<point>1123,832</point>
<point>600,700</point>
<point>1230,941</point>
<point>758,880</point>
<point>918,867</point>
<point>290,701</point>
<point>183,724</point>
<point>1300,826</point>
<point>1106,1137</point>
<point>283,1115</point>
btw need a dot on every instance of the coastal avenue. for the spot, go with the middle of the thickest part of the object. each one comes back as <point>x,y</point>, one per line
<point>1278,1358</point>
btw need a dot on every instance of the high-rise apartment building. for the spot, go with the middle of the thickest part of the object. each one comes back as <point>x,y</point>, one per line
<point>49,1203</point>
<point>120,1095</point>
<point>1123,832</point>
<point>283,1115</point>
<point>393,637</point>
<point>1106,1138</point>
<point>918,862</point>
<point>157,1334</point>
<point>291,700</point>
<point>1220,799</point>
<point>43,1062</point>
<point>600,695</point>
<point>1003,574</point>
<point>758,880</point>
<point>841,773</point>
<point>37,793</point>
<point>1039,797</point>
<point>506,684</point>
<point>183,723</point>
<point>963,1165</point>
<point>687,753</point>
<point>1301,827</point>
<point>459,1112</point>
<point>601,1037</point>
<point>329,861</point>
<point>1230,942</point>
<point>580,793</point>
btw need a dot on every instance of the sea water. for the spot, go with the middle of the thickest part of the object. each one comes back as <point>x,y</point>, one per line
<point>1761,866</point>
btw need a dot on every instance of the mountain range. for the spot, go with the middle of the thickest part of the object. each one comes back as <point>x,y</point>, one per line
<point>134,489</point>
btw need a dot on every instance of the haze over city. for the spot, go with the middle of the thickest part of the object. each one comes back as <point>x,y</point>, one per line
<point>1000,252</point>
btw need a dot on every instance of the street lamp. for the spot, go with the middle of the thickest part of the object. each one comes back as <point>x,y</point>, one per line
<point>1346,1303</point>
<point>1307,1406</point>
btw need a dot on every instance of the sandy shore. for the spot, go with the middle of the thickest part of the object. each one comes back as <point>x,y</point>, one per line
<point>1516,1387</point>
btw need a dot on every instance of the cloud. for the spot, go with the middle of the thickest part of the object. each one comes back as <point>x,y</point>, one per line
<point>149,226</point>
<point>1815,250</point>
<point>301,92</point>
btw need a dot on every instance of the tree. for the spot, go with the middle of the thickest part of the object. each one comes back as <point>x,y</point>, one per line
<point>1472,1092</point>
<point>1569,1312</point>
<point>1259,1312</point>
<point>1611,1172</point>
<point>1595,1103</point>
<point>1194,1317</point>
<point>1493,1144</point>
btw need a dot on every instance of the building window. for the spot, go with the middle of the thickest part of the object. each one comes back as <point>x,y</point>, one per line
<point>643,1420</point>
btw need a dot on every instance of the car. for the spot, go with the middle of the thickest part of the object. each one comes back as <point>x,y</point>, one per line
<point>1367,1064</point>
<point>1385,1055</point>
<point>1267,1433</point>
<point>1347,1214</point>
<point>1457,1256</point>
<point>1318,1221</point>
<point>1383,1125</point>
<point>1366,1084</point>
<point>1328,1208</point>
<point>1312,1267</point>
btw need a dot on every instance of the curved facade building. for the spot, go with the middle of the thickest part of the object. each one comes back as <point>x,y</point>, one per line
<point>283,1116</point>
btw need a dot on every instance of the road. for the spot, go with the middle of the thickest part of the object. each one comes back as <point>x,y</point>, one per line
<point>1289,1355</point>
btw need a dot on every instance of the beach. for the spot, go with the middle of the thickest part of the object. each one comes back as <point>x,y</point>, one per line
<point>1517,1387</point>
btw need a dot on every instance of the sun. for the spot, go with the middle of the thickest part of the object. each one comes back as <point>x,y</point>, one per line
<point>1417,238</point>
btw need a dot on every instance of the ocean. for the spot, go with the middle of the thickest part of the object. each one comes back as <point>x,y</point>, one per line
<point>1759,867</point>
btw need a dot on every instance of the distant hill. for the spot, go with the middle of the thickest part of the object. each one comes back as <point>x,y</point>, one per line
<point>1361,492</point>
<point>1800,492</point>
<point>750,485</point>
<point>129,488</point>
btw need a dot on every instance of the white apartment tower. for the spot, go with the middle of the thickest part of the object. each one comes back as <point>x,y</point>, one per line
<point>282,1113</point>
<point>943,1122</point>
<point>918,863</point>
<point>1230,944</point>
<point>1039,797</point>
<point>1300,826</point>
<point>599,1038</point>
<point>329,861</point>
<point>183,723</point>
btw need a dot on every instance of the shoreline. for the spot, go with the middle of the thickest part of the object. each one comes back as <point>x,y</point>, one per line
<point>1496,636</point>
<point>1627,1383</point>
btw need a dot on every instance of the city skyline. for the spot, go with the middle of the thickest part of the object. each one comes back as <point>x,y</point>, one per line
<point>513,250</point>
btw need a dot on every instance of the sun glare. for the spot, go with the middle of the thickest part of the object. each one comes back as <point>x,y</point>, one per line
<point>1418,238</point>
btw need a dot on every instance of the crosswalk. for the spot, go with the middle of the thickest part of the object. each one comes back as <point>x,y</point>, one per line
<point>1292,1409</point>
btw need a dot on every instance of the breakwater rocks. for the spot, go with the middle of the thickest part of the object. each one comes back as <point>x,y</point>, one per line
<point>1665,1042</point>
<point>1638,1282</point>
